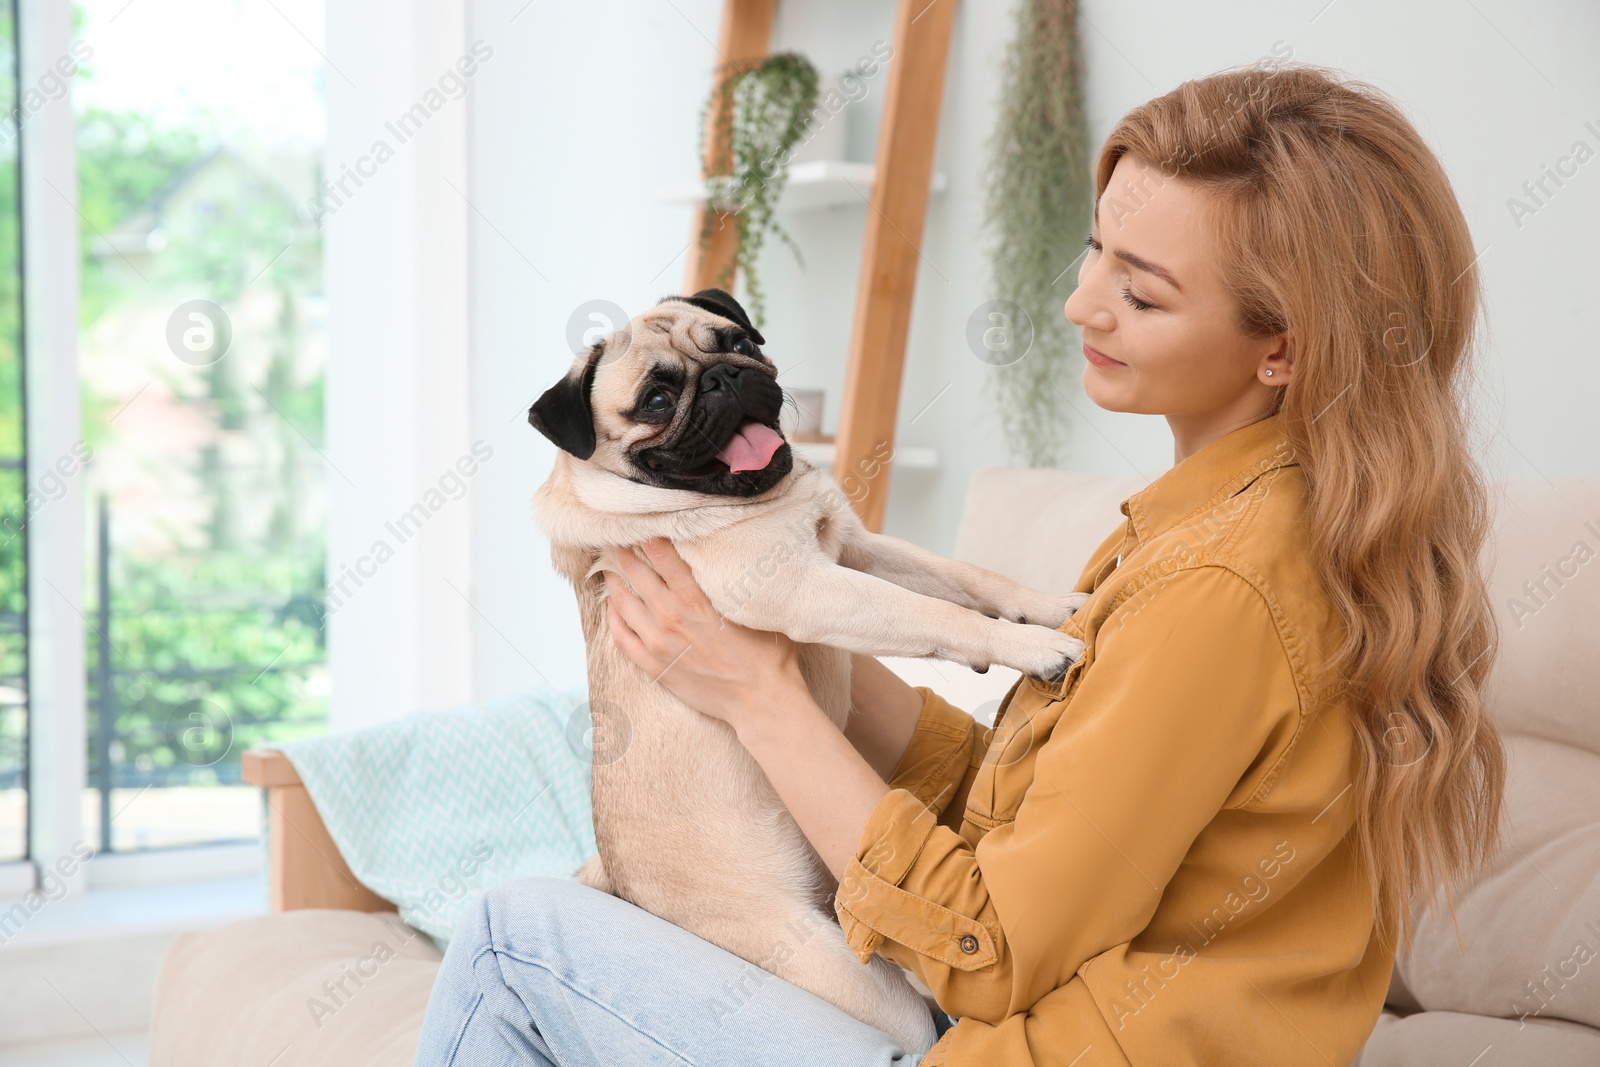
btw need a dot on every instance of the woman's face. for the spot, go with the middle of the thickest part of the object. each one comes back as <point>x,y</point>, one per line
<point>1151,298</point>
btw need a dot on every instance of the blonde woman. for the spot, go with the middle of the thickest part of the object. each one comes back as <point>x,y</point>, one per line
<point>1202,845</point>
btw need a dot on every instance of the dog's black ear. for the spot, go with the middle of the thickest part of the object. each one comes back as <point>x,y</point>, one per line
<point>563,413</point>
<point>721,302</point>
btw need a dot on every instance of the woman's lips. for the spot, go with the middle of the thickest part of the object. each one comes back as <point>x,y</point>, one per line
<point>1099,359</point>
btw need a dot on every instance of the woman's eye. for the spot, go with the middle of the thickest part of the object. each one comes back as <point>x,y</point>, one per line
<point>657,400</point>
<point>1141,305</point>
<point>744,347</point>
<point>1091,242</point>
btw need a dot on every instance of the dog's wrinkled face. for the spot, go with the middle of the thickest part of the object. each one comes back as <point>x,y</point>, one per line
<point>681,397</point>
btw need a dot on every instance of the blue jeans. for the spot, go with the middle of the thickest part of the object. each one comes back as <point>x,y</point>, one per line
<point>547,972</point>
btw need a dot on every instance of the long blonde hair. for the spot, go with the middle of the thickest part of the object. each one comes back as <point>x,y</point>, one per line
<point>1334,221</point>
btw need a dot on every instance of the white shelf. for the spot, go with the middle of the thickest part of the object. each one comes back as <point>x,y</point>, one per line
<point>817,183</point>
<point>820,453</point>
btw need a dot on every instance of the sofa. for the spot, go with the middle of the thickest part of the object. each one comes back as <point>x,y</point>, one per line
<point>1521,985</point>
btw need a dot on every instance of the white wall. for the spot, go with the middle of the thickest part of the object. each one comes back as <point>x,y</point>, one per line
<point>587,110</point>
<point>400,574</point>
<point>583,112</point>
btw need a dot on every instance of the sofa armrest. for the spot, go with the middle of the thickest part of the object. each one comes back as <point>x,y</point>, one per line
<point>305,867</point>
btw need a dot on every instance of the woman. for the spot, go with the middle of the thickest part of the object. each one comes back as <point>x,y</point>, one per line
<point>1199,846</point>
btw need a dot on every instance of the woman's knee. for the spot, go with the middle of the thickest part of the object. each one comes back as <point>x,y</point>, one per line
<point>532,912</point>
<point>521,899</point>
<point>535,897</point>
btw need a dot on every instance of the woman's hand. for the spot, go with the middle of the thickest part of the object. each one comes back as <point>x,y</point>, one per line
<point>669,628</point>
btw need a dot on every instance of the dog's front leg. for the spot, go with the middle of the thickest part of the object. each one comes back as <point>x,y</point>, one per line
<point>813,600</point>
<point>916,568</point>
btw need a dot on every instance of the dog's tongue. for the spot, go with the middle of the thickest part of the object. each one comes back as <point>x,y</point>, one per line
<point>750,448</point>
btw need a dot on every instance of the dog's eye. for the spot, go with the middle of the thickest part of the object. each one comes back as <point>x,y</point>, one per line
<point>744,347</point>
<point>657,400</point>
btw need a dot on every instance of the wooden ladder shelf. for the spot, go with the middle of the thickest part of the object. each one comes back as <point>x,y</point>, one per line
<point>897,208</point>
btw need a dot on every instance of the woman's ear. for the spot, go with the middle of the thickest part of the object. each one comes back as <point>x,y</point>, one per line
<point>1277,366</point>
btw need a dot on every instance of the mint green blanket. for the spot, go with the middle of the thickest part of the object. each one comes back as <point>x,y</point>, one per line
<point>433,808</point>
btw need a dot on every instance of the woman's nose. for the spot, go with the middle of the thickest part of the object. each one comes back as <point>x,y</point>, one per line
<point>1086,307</point>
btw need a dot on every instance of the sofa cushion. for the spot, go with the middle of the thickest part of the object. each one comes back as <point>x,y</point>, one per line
<point>1039,527</point>
<point>1531,923</point>
<point>1448,1039</point>
<point>295,989</point>
<point>1544,577</point>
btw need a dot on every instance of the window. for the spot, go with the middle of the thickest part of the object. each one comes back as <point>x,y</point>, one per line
<point>201,346</point>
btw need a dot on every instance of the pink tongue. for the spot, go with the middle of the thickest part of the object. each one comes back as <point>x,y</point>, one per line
<point>750,448</point>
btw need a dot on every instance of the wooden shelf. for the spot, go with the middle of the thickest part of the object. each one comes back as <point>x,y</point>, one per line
<point>816,184</point>
<point>895,186</point>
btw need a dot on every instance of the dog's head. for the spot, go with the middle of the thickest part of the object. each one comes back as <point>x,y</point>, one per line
<point>681,397</point>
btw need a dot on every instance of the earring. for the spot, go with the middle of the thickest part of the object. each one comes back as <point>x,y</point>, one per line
<point>1269,374</point>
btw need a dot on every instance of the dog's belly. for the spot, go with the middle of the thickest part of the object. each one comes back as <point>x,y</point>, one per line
<point>687,823</point>
<point>691,830</point>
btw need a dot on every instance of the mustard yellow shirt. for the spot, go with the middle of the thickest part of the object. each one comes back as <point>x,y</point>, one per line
<point>1150,862</point>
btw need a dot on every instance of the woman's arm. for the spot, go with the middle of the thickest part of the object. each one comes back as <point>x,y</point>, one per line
<point>883,714</point>
<point>1186,692</point>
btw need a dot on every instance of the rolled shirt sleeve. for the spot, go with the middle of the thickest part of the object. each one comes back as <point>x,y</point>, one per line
<point>944,754</point>
<point>1189,683</point>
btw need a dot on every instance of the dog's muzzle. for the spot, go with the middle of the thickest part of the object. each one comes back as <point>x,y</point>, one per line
<point>733,421</point>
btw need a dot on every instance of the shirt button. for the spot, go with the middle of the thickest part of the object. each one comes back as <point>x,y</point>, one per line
<point>969,944</point>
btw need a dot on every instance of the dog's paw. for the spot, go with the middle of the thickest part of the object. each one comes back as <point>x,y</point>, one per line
<point>1059,608</point>
<point>1039,609</point>
<point>1043,654</point>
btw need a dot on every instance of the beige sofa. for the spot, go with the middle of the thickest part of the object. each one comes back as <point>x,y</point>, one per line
<point>1523,988</point>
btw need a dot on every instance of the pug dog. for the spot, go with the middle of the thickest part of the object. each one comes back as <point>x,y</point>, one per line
<point>669,427</point>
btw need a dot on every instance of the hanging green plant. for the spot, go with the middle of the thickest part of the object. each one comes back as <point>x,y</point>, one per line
<point>762,114</point>
<point>1039,204</point>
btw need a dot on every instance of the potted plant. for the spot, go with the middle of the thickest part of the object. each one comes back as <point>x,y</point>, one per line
<point>1039,205</point>
<point>762,113</point>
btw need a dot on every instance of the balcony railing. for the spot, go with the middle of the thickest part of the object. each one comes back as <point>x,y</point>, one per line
<point>158,720</point>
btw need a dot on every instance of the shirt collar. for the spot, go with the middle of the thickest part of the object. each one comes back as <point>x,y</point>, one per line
<point>1208,476</point>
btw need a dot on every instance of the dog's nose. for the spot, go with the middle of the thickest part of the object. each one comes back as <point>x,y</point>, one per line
<point>722,376</point>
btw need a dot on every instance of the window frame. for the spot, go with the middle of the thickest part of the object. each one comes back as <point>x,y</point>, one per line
<point>49,235</point>
<point>412,237</point>
<point>19,876</point>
